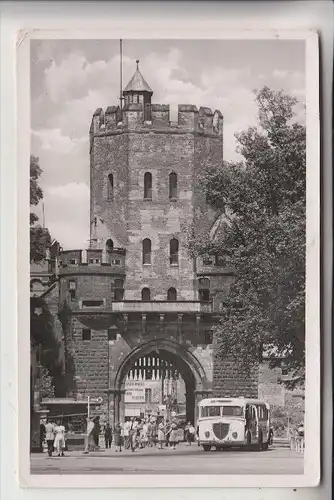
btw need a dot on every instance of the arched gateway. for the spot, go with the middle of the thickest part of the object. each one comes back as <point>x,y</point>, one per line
<point>184,361</point>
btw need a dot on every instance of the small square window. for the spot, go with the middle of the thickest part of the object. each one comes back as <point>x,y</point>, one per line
<point>72,285</point>
<point>204,295</point>
<point>86,334</point>
<point>73,261</point>
<point>112,334</point>
<point>118,294</point>
<point>207,261</point>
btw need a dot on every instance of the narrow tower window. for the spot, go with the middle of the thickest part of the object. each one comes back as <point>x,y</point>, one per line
<point>146,251</point>
<point>148,186</point>
<point>174,251</point>
<point>171,294</point>
<point>110,193</point>
<point>109,245</point>
<point>204,289</point>
<point>145,295</point>
<point>172,185</point>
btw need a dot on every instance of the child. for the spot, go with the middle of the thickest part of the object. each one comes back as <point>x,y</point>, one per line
<point>173,436</point>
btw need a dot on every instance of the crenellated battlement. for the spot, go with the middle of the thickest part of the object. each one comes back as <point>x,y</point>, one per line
<point>92,260</point>
<point>157,118</point>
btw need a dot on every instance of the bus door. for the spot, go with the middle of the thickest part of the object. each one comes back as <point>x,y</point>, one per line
<point>253,421</point>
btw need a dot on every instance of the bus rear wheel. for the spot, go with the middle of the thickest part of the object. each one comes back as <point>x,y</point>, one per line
<point>259,444</point>
<point>206,447</point>
<point>265,446</point>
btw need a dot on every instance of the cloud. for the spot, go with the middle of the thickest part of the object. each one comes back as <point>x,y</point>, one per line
<point>53,140</point>
<point>74,191</point>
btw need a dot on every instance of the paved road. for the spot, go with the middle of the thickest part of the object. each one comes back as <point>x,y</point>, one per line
<point>183,460</point>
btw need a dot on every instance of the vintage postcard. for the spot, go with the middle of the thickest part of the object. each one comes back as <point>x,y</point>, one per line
<point>169,205</point>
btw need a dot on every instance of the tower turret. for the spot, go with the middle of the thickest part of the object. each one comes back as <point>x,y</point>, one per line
<point>138,92</point>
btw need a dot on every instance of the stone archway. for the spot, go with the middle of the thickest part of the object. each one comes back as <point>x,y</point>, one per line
<point>188,365</point>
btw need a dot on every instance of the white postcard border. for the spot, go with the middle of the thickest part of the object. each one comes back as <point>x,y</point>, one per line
<point>312,394</point>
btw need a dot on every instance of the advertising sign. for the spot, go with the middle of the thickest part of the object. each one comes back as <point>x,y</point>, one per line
<point>134,391</point>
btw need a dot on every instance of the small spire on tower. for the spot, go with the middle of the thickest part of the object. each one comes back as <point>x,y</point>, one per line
<point>137,62</point>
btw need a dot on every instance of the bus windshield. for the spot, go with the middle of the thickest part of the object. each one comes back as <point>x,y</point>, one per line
<point>232,411</point>
<point>222,411</point>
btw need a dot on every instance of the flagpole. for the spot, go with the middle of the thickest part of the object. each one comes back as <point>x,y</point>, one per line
<point>121,75</point>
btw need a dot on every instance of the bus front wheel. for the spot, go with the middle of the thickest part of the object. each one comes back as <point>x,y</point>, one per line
<point>206,447</point>
<point>248,441</point>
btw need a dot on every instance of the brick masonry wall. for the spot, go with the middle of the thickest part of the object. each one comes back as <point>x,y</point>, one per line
<point>230,381</point>
<point>129,218</point>
<point>160,219</point>
<point>90,360</point>
<point>109,155</point>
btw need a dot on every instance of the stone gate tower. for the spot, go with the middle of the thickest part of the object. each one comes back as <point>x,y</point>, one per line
<point>136,292</point>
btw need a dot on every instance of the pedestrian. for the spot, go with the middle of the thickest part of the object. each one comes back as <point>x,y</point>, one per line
<point>126,433</point>
<point>149,434</point>
<point>118,437</point>
<point>173,435</point>
<point>161,434</point>
<point>59,441</point>
<point>89,438</point>
<point>197,435</point>
<point>49,436</point>
<point>42,433</point>
<point>133,433</point>
<point>191,434</point>
<point>96,431</point>
<point>167,433</point>
<point>108,435</point>
<point>154,432</point>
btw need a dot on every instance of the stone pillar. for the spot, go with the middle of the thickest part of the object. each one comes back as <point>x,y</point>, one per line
<point>116,404</point>
<point>179,327</point>
<point>119,406</point>
<point>122,406</point>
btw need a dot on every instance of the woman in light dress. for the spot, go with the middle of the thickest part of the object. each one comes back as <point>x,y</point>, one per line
<point>144,434</point>
<point>161,434</point>
<point>59,442</point>
<point>173,439</point>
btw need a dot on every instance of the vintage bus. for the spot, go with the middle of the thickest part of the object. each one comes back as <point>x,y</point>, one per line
<point>229,422</point>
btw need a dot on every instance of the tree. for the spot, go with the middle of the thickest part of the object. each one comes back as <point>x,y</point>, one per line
<point>261,205</point>
<point>47,388</point>
<point>40,237</point>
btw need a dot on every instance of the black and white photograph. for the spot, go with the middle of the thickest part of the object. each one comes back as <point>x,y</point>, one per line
<point>171,287</point>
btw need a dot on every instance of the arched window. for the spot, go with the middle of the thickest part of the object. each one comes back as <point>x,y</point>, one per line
<point>171,294</point>
<point>147,186</point>
<point>145,295</point>
<point>109,245</point>
<point>174,251</point>
<point>204,289</point>
<point>110,191</point>
<point>146,251</point>
<point>172,185</point>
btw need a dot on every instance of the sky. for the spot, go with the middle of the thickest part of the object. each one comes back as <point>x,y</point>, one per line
<point>70,79</point>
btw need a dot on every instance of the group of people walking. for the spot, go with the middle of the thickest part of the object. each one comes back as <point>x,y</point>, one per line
<point>137,433</point>
<point>54,435</point>
<point>133,434</point>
